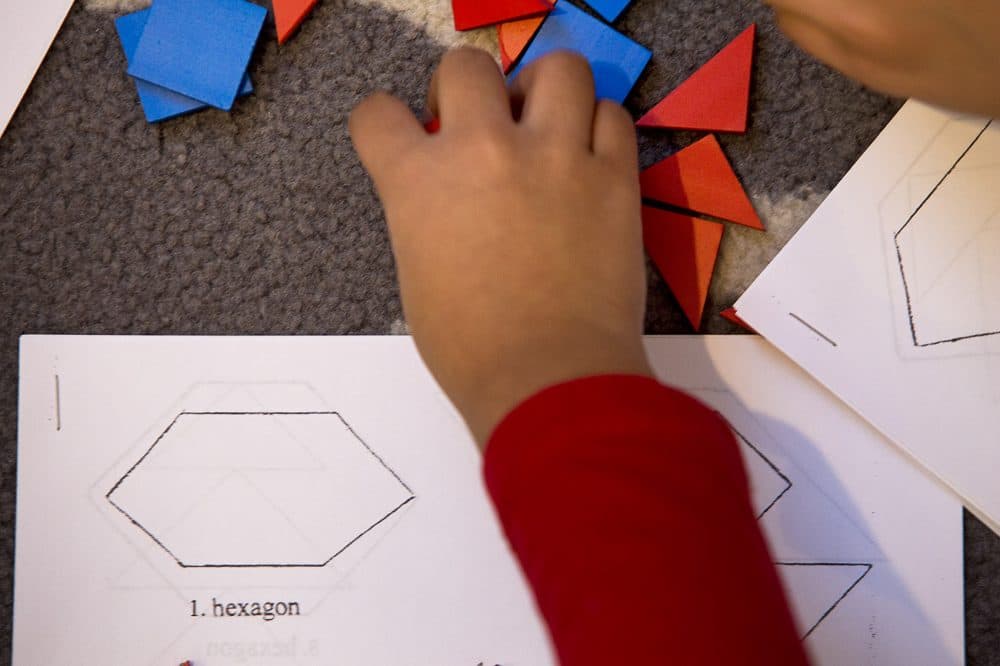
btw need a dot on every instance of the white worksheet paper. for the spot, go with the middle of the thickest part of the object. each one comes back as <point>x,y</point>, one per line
<point>890,296</point>
<point>166,485</point>
<point>27,28</point>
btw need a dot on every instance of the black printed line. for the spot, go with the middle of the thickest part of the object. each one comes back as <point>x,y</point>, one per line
<point>811,328</point>
<point>148,533</point>
<point>899,252</point>
<point>58,407</point>
<point>868,567</point>
<point>374,525</point>
<point>144,455</point>
<point>788,482</point>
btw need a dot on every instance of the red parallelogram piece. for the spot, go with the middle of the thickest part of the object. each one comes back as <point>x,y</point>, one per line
<point>730,314</point>
<point>470,14</point>
<point>701,180</point>
<point>514,37</point>
<point>713,99</point>
<point>684,250</point>
<point>288,16</point>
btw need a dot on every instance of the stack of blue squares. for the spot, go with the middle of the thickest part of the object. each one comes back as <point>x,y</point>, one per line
<point>617,62</point>
<point>186,55</point>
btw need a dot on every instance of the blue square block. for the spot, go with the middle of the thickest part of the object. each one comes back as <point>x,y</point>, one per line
<point>199,48</point>
<point>609,9</point>
<point>158,103</point>
<point>616,60</point>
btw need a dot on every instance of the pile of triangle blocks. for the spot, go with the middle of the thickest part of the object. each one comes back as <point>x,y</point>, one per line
<point>188,55</point>
<point>688,196</point>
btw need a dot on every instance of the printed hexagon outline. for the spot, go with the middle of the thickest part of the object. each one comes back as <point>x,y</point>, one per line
<point>347,427</point>
<point>899,255</point>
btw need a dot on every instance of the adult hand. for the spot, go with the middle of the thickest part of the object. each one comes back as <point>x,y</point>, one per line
<point>516,229</point>
<point>946,53</point>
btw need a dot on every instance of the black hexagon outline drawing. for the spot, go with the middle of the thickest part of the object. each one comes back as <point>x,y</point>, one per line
<point>902,268</point>
<point>316,565</point>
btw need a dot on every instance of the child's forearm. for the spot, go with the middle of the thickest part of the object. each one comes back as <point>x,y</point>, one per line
<point>627,505</point>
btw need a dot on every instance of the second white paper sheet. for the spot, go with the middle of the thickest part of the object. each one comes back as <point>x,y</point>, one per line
<point>166,484</point>
<point>890,296</point>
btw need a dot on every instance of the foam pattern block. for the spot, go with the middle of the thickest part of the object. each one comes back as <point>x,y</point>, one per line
<point>610,10</point>
<point>716,98</point>
<point>199,48</point>
<point>684,250</point>
<point>471,14</point>
<point>158,103</point>
<point>616,61</point>
<point>700,179</point>
<point>289,15</point>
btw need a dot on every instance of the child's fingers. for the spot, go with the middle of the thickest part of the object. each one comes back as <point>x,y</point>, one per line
<point>468,89</point>
<point>614,135</point>
<point>383,128</point>
<point>558,96</point>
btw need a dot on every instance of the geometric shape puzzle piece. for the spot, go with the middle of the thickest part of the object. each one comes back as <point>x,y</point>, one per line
<point>715,98</point>
<point>949,251</point>
<point>199,48</point>
<point>730,315</point>
<point>615,60</point>
<point>258,489</point>
<point>609,10</point>
<point>289,14</point>
<point>158,103</point>
<point>470,14</point>
<point>684,250</point>
<point>513,38</point>
<point>700,179</point>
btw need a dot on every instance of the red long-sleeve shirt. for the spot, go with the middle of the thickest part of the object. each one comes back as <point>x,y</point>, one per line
<point>628,507</point>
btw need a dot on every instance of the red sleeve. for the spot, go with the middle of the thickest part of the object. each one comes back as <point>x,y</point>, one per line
<point>628,507</point>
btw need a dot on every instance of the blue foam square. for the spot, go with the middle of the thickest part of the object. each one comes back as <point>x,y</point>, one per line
<point>158,103</point>
<point>616,60</point>
<point>609,9</point>
<point>199,48</point>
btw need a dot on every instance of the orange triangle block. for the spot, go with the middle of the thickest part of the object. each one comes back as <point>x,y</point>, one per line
<point>716,97</point>
<point>730,314</point>
<point>470,14</point>
<point>701,180</point>
<point>684,250</point>
<point>514,37</point>
<point>288,16</point>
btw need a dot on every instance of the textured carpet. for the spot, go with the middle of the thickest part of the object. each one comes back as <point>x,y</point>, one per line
<point>262,221</point>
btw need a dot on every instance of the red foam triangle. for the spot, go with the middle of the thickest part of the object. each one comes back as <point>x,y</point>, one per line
<point>684,250</point>
<point>470,14</point>
<point>716,97</point>
<point>289,14</point>
<point>730,314</point>
<point>514,36</point>
<point>701,180</point>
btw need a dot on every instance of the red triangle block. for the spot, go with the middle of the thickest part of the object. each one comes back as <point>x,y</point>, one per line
<point>684,250</point>
<point>729,314</point>
<point>470,14</point>
<point>514,36</point>
<point>701,180</point>
<point>716,97</point>
<point>288,16</point>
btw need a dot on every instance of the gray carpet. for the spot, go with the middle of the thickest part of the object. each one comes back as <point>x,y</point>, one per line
<point>262,221</point>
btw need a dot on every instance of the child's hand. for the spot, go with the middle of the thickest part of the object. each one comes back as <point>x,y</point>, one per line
<point>518,240</point>
<point>943,52</point>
